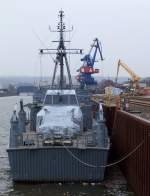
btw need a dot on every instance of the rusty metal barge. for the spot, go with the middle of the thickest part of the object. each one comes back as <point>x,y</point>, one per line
<point>130,135</point>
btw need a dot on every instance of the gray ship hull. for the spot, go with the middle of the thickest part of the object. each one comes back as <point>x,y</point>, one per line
<point>57,164</point>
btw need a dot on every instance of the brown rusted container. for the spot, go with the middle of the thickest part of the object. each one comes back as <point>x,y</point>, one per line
<point>109,114</point>
<point>147,91</point>
<point>128,132</point>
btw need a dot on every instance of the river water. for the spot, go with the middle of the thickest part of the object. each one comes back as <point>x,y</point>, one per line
<point>8,188</point>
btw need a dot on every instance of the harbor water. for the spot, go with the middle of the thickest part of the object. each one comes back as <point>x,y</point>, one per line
<point>8,188</point>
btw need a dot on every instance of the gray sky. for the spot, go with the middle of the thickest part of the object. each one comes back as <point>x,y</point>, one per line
<point>123,26</point>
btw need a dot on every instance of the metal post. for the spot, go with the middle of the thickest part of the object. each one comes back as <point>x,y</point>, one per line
<point>68,70</point>
<point>61,53</point>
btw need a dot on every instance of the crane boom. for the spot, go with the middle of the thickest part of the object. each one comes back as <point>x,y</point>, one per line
<point>134,77</point>
<point>87,69</point>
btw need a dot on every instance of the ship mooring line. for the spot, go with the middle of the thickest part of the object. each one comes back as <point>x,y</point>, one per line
<point>110,164</point>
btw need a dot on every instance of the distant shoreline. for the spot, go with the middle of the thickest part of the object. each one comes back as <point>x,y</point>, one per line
<point>8,95</point>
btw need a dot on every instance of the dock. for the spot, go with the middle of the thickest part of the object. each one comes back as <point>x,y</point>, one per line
<point>130,133</point>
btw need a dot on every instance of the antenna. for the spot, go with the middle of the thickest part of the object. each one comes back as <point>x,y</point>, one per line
<point>41,71</point>
<point>61,52</point>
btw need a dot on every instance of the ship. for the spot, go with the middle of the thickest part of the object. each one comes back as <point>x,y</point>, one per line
<point>64,138</point>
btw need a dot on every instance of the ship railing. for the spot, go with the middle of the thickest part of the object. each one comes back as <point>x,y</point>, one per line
<point>86,139</point>
<point>93,141</point>
<point>16,140</point>
<point>31,139</point>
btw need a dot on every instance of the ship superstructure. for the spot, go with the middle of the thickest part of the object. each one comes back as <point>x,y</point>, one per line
<point>61,53</point>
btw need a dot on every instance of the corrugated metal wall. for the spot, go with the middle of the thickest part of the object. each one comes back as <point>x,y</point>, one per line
<point>56,164</point>
<point>109,114</point>
<point>128,132</point>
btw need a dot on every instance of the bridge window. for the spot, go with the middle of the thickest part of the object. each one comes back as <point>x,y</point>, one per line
<point>48,99</point>
<point>73,100</point>
<point>60,99</point>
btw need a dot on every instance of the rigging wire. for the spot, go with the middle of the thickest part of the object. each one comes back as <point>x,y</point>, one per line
<point>35,69</point>
<point>71,37</point>
<point>107,165</point>
<point>49,55</point>
<point>69,45</point>
<point>44,45</point>
<point>41,71</point>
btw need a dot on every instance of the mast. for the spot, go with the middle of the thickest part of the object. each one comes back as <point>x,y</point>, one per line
<point>61,53</point>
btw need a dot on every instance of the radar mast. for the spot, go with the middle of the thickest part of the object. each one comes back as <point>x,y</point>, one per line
<point>61,53</point>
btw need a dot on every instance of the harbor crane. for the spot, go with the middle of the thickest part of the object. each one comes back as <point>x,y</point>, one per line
<point>87,69</point>
<point>134,77</point>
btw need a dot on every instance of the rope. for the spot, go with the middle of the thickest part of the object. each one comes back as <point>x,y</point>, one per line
<point>108,165</point>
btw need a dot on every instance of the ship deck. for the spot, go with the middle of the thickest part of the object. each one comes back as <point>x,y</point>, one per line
<point>92,138</point>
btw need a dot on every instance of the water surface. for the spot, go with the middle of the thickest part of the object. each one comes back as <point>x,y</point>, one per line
<point>8,188</point>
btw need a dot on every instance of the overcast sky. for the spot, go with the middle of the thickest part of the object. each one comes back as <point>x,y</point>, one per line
<point>123,27</point>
